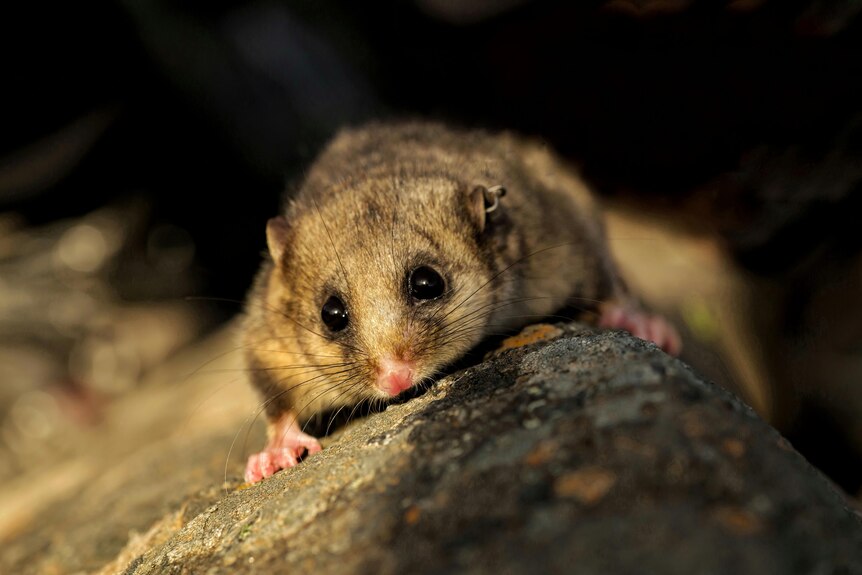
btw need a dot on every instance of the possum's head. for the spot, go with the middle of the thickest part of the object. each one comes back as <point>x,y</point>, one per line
<point>380,284</point>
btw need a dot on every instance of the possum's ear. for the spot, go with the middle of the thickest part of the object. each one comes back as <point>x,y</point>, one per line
<point>276,237</point>
<point>476,203</point>
<point>483,201</point>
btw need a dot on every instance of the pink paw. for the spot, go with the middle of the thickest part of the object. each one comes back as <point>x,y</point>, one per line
<point>279,455</point>
<point>641,324</point>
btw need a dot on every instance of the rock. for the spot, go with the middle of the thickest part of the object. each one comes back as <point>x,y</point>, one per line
<point>588,451</point>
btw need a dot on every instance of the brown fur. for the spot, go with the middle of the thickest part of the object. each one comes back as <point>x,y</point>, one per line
<point>382,200</point>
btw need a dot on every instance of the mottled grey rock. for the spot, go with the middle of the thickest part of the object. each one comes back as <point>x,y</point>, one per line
<point>590,453</point>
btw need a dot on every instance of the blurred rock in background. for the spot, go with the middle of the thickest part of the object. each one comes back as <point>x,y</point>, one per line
<point>87,307</point>
<point>145,143</point>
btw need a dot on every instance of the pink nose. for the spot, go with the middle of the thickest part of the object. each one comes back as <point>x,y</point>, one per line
<point>394,375</point>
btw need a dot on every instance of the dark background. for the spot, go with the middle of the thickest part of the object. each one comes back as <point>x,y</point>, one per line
<point>741,120</point>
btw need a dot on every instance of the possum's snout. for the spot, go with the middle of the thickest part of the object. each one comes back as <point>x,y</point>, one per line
<point>394,375</point>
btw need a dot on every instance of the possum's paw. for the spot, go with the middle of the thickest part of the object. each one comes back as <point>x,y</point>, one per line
<point>641,324</point>
<point>283,451</point>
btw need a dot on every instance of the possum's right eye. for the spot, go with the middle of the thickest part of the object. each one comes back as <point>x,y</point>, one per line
<point>425,283</point>
<point>334,314</point>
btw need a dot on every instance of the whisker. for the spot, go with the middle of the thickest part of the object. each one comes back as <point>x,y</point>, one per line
<point>321,394</point>
<point>504,270</point>
<point>348,390</point>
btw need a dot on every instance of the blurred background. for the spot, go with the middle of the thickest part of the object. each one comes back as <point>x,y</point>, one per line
<point>144,144</point>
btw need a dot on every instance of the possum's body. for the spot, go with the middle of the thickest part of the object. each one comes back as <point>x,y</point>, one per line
<point>391,215</point>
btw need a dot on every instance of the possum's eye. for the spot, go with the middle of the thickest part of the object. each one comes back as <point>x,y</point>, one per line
<point>425,283</point>
<point>334,314</point>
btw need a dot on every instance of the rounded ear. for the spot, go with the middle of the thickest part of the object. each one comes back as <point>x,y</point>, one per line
<point>476,205</point>
<point>276,237</point>
<point>483,201</point>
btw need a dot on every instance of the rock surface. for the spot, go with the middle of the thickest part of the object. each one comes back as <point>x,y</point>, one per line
<point>588,451</point>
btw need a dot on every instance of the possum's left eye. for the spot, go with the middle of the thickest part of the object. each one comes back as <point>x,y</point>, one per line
<point>425,283</point>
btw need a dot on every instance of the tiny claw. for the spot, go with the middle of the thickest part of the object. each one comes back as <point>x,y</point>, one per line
<point>259,466</point>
